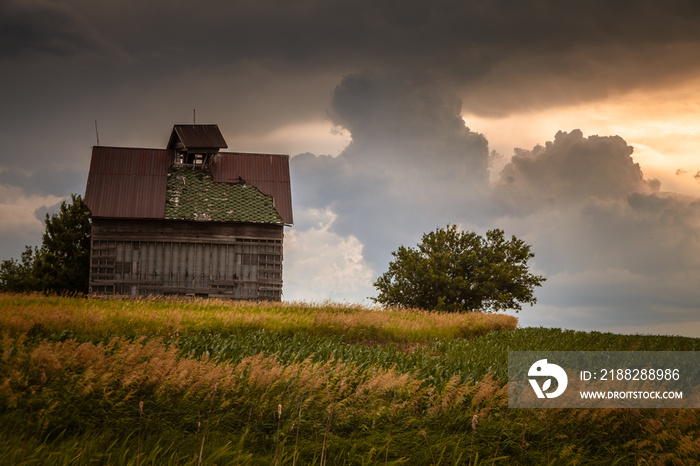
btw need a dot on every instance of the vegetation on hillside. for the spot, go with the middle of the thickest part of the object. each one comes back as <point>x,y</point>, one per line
<point>145,382</point>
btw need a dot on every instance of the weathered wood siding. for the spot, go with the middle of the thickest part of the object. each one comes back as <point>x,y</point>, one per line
<point>166,257</point>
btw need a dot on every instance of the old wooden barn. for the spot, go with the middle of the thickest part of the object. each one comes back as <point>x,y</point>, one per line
<point>188,219</point>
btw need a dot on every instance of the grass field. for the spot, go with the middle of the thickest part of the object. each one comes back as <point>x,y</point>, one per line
<point>175,382</point>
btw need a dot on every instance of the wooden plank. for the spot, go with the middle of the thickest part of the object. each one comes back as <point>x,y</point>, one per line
<point>168,263</point>
<point>210,250</point>
<point>172,230</point>
<point>195,246</point>
<point>137,247</point>
<point>126,282</point>
<point>179,258</point>
<point>147,274</point>
<point>162,262</point>
<point>226,274</point>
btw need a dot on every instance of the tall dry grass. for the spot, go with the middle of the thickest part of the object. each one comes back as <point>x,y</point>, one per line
<point>98,319</point>
<point>121,373</point>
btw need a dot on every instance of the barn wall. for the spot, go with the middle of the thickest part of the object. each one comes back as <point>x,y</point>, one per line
<point>162,257</point>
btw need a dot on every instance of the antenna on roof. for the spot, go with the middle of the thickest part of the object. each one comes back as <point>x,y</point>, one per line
<point>194,116</point>
<point>97,135</point>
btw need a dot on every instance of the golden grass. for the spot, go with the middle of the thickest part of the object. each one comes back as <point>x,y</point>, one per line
<point>102,318</point>
<point>117,370</point>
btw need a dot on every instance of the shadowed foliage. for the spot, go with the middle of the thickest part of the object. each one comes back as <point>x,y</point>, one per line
<point>62,264</point>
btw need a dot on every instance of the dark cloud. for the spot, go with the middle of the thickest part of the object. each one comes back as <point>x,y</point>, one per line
<point>39,29</point>
<point>47,180</point>
<point>13,244</point>
<point>250,66</point>
<point>409,125</point>
<point>654,235</point>
<point>412,164</point>
<point>501,56</point>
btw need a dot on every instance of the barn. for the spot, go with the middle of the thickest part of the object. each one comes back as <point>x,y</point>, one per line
<point>188,219</point>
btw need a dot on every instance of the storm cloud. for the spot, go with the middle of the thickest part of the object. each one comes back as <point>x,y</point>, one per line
<point>270,62</point>
<point>411,161</point>
<point>252,65</point>
<point>40,29</point>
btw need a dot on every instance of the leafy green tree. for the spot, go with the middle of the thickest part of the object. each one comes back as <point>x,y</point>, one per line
<point>62,264</point>
<point>453,270</point>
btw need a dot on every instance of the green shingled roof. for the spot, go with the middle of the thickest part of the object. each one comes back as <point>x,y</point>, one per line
<point>192,194</point>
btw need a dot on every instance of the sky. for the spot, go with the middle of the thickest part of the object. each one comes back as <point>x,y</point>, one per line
<point>574,126</point>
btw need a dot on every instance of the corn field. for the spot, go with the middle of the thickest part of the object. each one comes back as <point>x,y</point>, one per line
<point>199,382</point>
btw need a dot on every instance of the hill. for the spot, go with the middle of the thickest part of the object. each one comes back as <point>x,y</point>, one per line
<point>168,382</point>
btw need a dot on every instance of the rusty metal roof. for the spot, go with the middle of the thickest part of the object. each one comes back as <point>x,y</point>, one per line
<point>132,183</point>
<point>194,137</point>
<point>127,183</point>
<point>267,172</point>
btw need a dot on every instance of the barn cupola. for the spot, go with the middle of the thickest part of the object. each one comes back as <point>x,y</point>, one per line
<point>195,144</point>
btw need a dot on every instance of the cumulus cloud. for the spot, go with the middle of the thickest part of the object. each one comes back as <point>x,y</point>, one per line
<point>614,246</point>
<point>411,121</point>
<point>320,264</point>
<point>587,197</point>
<point>572,168</point>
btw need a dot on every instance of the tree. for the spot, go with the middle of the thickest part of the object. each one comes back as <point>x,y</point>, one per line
<point>453,270</point>
<point>18,277</point>
<point>62,264</point>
